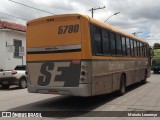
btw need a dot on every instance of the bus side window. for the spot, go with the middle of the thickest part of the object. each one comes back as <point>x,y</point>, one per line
<point>92,39</point>
<point>138,49</point>
<point>128,47</point>
<point>132,47</point>
<point>135,48</point>
<point>141,50</point>
<point>124,50</point>
<point>144,50</point>
<point>98,40</point>
<point>106,42</point>
<point>118,45</point>
<point>113,43</point>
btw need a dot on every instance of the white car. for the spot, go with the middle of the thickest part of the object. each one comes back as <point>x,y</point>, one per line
<point>18,77</point>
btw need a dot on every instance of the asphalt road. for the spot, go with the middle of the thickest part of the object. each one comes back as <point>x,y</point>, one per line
<point>138,98</point>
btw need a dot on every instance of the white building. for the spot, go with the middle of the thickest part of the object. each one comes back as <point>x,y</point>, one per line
<point>12,39</point>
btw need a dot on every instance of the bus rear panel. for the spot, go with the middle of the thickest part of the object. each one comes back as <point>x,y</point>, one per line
<point>54,56</point>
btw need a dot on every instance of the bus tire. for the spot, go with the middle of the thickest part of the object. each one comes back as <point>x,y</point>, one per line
<point>122,88</point>
<point>145,78</point>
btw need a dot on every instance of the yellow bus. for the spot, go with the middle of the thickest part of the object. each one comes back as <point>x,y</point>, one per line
<point>73,54</point>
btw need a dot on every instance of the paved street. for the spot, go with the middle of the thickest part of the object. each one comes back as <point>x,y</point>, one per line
<point>138,98</point>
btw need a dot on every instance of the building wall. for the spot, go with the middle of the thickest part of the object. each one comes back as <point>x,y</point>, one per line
<point>9,61</point>
<point>2,49</point>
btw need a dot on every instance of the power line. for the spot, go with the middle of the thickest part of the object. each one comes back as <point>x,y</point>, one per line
<point>30,6</point>
<point>14,16</point>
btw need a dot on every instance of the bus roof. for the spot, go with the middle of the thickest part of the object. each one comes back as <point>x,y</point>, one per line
<point>61,16</point>
<point>91,20</point>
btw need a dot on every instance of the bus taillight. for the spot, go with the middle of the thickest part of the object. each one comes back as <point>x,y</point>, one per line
<point>76,62</point>
<point>84,73</point>
<point>83,70</point>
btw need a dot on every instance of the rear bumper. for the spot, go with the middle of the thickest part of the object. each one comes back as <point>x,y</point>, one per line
<point>83,90</point>
<point>9,81</point>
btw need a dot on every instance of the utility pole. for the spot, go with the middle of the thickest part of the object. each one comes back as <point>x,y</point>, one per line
<point>92,10</point>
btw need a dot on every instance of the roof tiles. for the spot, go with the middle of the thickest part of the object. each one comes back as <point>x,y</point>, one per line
<point>13,26</point>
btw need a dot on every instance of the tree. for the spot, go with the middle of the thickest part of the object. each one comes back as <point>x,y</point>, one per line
<point>156,46</point>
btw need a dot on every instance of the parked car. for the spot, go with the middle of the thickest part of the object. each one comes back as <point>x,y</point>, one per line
<point>5,75</point>
<point>18,77</point>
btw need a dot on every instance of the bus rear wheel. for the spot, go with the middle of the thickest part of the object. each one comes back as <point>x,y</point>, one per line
<point>122,89</point>
<point>145,79</point>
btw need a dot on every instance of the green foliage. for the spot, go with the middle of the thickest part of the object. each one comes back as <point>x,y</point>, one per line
<point>156,54</point>
<point>156,46</point>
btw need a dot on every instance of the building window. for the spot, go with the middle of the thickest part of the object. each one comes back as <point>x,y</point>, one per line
<point>17,44</point>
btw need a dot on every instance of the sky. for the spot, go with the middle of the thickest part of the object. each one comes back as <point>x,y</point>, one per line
<point>139,16</point>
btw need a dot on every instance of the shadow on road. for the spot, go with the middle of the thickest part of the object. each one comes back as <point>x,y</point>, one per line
<point>12,87</point>
<point>66,106</point>
<point>70,103</point>
<point>136,85</point>
<point>67,103</point>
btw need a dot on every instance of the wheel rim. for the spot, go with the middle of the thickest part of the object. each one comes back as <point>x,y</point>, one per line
<point>23,83</point>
